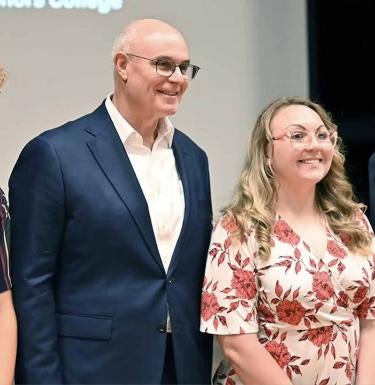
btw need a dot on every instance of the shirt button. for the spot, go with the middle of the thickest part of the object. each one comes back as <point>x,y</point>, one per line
<point>162,328</point>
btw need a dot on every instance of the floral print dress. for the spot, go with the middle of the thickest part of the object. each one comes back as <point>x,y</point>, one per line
<point>305,309</point>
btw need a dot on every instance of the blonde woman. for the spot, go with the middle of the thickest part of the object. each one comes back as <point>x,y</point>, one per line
<point>290,280</point>
<point>7,316</point>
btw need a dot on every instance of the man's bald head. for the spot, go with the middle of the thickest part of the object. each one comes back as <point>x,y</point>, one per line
<point>139,31</point>
<point>141,91</point>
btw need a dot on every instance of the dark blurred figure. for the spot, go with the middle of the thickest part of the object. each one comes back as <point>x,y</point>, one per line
<point>371,174</point>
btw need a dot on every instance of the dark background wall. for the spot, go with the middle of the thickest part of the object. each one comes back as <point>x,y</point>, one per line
<point>342,77</point>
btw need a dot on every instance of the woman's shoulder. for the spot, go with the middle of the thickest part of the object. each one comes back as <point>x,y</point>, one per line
<point>228,226</point>
<point>227,222</point>
<point>363,220</point>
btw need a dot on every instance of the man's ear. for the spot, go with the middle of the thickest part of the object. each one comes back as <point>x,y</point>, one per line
<point>120,62</point>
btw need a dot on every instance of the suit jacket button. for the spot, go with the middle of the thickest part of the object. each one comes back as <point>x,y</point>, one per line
<point>162,328</point>
<point>171,280</point>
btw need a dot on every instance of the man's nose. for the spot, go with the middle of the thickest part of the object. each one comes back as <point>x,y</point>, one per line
<point>177,75</point>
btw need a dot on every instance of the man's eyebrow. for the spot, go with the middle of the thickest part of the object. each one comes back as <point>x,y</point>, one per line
<point>168,58</point>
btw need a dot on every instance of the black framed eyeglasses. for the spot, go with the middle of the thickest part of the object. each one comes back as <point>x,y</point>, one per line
<point>166,67</point>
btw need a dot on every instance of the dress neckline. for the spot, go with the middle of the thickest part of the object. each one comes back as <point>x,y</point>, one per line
<point>328,234</point>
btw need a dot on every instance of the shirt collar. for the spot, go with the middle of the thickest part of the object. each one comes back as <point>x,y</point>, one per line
<point>125,130</point>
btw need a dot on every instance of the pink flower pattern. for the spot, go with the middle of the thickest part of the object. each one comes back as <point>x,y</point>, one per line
<point>209,305</point>
<point>322,285</point>
<point>304,309</point>
<point>244,284</point>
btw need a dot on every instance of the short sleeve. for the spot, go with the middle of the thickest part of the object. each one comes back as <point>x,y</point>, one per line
<point>4,238</point>
<point>365,223</point>
<point>230,291</point>
<point>366,309</point>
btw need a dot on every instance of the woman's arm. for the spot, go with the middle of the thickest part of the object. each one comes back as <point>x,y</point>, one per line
<point>366,361</point>
<point>251,361</point>
<point>8,338</point>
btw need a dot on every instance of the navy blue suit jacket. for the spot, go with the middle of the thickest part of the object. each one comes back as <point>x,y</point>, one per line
<point>90,289</point>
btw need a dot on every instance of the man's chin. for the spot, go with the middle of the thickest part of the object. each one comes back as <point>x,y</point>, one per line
<point>171,110</point>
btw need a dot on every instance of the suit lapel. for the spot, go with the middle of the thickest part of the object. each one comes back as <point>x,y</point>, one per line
<point>182,164</point>
<point>111,156</point>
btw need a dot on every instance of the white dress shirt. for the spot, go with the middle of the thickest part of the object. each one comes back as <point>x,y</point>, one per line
<point>157,175</point>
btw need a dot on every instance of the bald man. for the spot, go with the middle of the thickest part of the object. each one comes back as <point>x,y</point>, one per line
<point>111,220</point>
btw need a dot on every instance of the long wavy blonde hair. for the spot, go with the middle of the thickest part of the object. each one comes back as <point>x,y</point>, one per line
<point>255,199</point>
